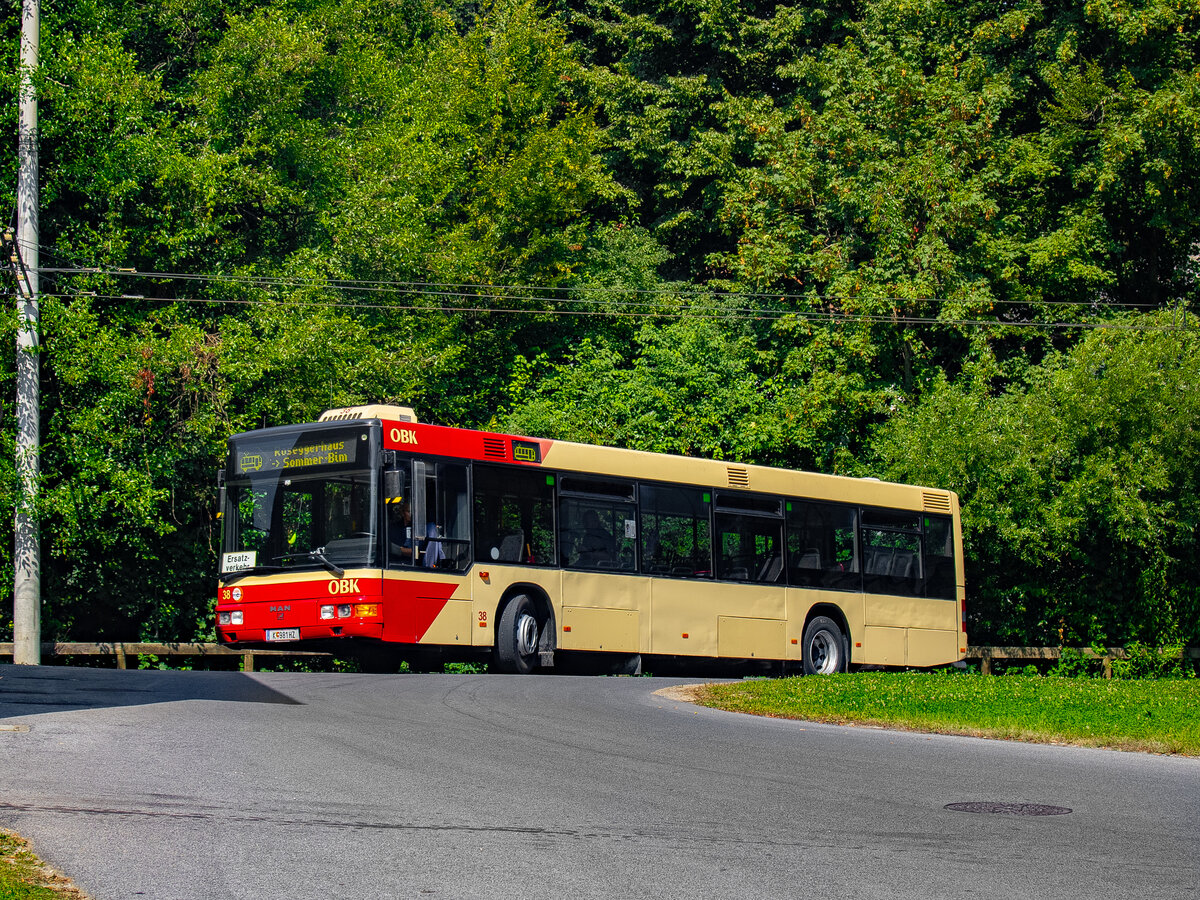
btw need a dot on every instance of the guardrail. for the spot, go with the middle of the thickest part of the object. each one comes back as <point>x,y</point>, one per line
<point>985,655</point>
<point>122,651</point>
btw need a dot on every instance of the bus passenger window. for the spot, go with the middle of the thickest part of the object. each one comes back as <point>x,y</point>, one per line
<point>891,549</point>
<point>749,537</point>
<point>938,546</point>
<point>676,533</point>
<point>822,543</point>
<point>514,515</point>
<point>597,524</point>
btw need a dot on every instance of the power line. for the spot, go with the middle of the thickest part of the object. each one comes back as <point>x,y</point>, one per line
<point>817,317</point>
<point>509,292</point>
<point>485,299</point>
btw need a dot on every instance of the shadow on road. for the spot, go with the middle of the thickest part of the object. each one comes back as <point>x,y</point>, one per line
<point>38,689</point>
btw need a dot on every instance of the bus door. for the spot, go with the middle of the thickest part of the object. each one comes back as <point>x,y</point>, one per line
<point>429,516</point>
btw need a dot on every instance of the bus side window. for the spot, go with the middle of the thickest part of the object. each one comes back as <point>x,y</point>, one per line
<point>938,548</point>
<point>891,547</point>
<point>514,515</point>
<point>676,532</point>
<point>749,537</point>
<point>822,545</point>
<point>597,523</point>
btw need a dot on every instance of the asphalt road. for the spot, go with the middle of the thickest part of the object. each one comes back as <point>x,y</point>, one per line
<point>182,785</point>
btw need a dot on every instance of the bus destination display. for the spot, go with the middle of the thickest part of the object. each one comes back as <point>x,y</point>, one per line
<point>258,457</point>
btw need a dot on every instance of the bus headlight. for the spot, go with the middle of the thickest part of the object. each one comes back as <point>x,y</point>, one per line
<point>344,611</point>
<point>223,618</point>
<point>236,617</point>
<point>327,612</point>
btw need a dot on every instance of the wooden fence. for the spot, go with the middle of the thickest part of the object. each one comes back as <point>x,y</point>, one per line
<point>122,651</point>
<point>985,655</point>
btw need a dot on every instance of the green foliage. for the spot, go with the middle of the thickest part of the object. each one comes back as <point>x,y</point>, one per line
<point>1144,661</point>
<point>633,223</point>
<point>305,664</point>
<point>941,151</point>
<point>1074,663</point>
<point>1028,671</point>
<point>696,387</point>
<point>466,668</point>
<point>1079,489</point>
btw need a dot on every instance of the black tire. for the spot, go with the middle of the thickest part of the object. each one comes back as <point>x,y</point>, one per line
<point>825,651</point>
<point>518,636</point>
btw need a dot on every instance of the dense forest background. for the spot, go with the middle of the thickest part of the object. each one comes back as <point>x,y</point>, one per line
<point>945,241</point>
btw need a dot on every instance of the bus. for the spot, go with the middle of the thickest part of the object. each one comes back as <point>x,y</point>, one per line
<point>386,539</point>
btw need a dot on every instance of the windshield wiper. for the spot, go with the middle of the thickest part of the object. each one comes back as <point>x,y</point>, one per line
<point>317,555</point>
<point>227,577</point>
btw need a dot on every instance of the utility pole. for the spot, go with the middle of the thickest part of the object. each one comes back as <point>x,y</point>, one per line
<point>27,577</point>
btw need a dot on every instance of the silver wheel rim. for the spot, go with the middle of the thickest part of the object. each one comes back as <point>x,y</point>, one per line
<point>823,653</point>
<point>527,635</point>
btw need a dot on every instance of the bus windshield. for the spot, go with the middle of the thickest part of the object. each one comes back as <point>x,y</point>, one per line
<point>306,511</point>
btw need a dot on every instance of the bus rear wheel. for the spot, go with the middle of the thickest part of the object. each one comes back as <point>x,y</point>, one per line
<point>824,647</point>
<point>517,637</point>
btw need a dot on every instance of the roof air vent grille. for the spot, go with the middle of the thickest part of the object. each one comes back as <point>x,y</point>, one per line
<point>937,502</point>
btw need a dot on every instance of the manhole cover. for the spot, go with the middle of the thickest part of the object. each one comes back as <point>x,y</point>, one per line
<point>1009,809</point>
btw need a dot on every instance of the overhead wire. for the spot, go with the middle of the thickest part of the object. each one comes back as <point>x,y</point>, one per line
<point>517,291</point>
<point>813,316</point>
<point>601,300</point>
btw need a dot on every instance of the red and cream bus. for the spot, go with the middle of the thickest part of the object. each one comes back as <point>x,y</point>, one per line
<point>391,539</point>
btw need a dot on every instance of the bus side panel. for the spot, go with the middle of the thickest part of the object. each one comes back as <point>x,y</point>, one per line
<point>931,648</point>
<point>683,617</point>
<point>750,638</point>
<point>684,613</point>
<point>911,612</point>
<point>586,628</point>
<point>599,590</point>
<point>412,602</point>
<point>884,646</point>
<point>452,627</point>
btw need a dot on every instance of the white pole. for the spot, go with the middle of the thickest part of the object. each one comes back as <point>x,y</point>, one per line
<point>27,586</point>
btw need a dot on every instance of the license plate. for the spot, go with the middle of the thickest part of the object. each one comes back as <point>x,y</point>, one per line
<point>283,634</point>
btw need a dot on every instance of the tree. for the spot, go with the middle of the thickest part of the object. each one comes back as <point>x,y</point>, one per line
<point>287,154</point>
<point>1079,488</point>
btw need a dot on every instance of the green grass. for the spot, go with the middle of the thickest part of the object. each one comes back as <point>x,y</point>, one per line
<point>1160,716</point>
<point>24,877</point>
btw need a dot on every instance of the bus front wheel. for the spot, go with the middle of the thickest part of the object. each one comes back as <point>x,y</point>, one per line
<point>517,637</point>
<point>824,647</point>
